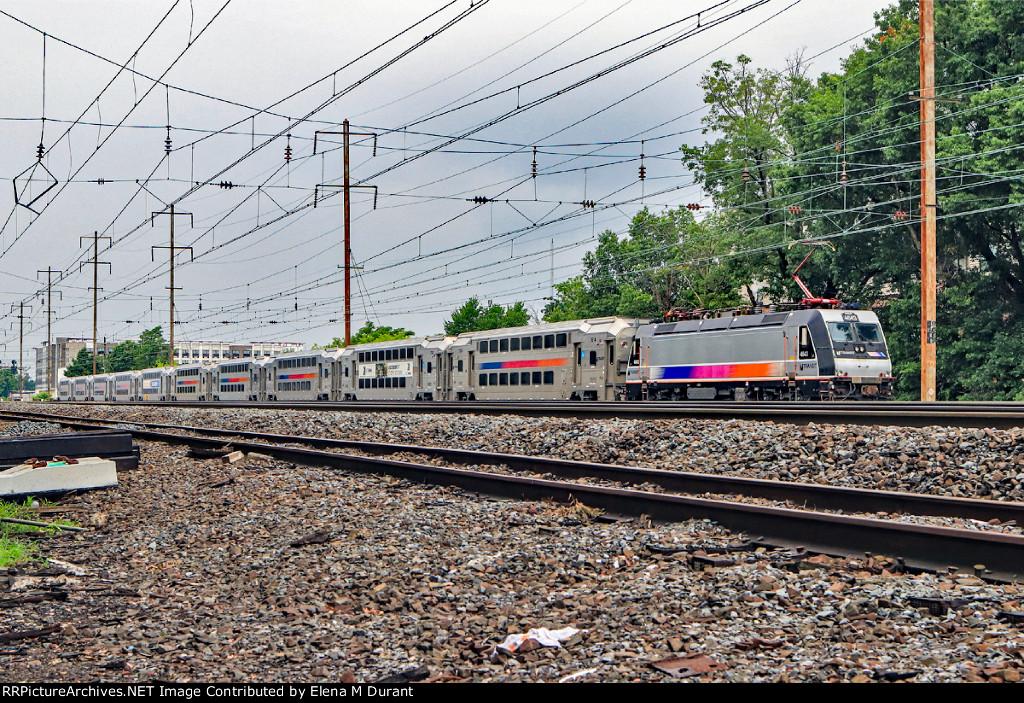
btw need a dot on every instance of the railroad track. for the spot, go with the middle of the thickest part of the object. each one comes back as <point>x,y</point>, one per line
<point>920,546</point>
<point>902,414</point>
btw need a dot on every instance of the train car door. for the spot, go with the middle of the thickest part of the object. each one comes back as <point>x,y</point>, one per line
<point>446,392</point>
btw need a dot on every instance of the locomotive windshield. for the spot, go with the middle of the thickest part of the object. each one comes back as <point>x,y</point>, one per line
<point>857,337</point>
<point>864,332</point>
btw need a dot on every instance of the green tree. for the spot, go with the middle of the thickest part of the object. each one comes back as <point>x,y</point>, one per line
<point>81,366</point>
<point>664,261</point>
<point>371,333</point>
<point>742,167</point>
<point>9,381</point>
<point>150,351</point>
<point>473,316</point>
<point>124,357</point>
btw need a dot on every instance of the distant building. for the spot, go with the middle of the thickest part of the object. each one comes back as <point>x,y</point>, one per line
<point>213,352</point>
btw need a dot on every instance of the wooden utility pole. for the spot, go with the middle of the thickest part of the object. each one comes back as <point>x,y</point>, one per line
<point>928,199</point>
<point>348,216</point>
<point>21,346</point>
<point>170,342</point>
<point>95,290</point>
<point>51,371</point>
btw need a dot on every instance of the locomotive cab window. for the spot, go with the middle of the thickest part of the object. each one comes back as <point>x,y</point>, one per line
<point>634,353</point>
<point>806,347</point>
<point>840,331</point>
<point>868,332</point>
<point>855,336</point>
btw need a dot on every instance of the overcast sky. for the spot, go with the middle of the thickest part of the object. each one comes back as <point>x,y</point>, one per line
<point>234,79</point>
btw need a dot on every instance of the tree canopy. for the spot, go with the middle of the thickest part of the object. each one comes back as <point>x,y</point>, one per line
<point>473,316</point>
<point>664,260</point>
<point>372,333</point>
<point>9,381</point>
<point>81,365</point>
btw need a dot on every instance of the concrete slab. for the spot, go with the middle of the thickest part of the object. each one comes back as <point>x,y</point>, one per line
<point>89,472</point>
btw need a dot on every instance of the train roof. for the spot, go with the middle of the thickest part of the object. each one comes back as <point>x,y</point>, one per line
<point>767,319</point>
<point>612,325</point>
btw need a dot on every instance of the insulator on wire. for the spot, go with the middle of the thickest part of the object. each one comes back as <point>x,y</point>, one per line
<point>693,206</point>
<point>226,185</point>
<point>795,209</point>
<point>167,142</point>
<point>39,152</point>
<point>588,203</point>
<point>746,175</point>
<point>288,149</point>
<point>900,215</point>
<point>843,177</point>
<point>643,172</point>
<point>479,199</point>
<point>533,166</point>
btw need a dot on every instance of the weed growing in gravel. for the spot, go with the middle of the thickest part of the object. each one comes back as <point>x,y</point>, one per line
<point>12,549</point>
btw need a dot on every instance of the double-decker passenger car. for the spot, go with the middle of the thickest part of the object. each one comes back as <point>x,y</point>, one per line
<point>297,376</point>
<point>126,386</point>
<point>575,360</point>
<point>100,388</point>
<point>191,382</point>
<point>155,384</point>
<point>396,370</point>
<point>236,380</point>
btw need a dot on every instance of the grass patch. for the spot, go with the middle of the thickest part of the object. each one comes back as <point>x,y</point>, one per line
<point>15,551</point>
<point>15,540</point>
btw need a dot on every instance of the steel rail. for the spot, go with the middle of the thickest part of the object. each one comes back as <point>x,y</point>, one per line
<point>901,414</point>
<point>921,546</point>
<point>809,495</point>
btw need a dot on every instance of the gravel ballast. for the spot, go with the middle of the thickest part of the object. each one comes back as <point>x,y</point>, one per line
<point>195,576</point>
